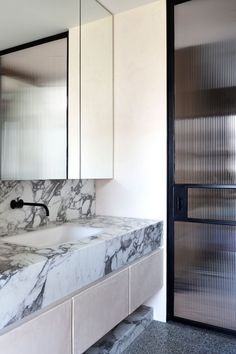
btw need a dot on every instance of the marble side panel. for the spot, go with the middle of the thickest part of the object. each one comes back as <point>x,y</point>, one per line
<point>20,271</point>
<point>66,200</point>
<point>129,247</point>
<point>74,270</point>
<point>120,337</point>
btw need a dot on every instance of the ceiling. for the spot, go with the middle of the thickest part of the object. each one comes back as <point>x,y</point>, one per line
<point>28,20</point>
<point>91,11</point>
<point>116,6</point>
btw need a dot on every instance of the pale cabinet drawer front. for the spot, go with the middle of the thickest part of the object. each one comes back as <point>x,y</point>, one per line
<point>146,278</point>
<point>49,333</point>
<point>98,309</point>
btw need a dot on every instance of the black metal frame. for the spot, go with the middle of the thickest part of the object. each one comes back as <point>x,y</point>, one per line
<point>180,200</point>
<point>170,179</point>
<point>43,41</point>
<point>34,43</point>
<point>170,159</point>
<point>67,105</point>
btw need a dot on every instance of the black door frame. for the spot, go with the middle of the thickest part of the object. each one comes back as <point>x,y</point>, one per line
<point>170,4</point>
<point>170,158</point>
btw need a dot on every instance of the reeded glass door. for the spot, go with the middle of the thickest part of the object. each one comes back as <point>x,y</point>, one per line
<point>204,184</point>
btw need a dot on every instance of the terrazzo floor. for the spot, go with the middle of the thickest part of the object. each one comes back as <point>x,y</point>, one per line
<point>168,338</point>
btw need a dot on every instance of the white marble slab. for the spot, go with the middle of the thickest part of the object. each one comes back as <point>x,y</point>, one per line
<point>31,279</point>
<point>66,200</point>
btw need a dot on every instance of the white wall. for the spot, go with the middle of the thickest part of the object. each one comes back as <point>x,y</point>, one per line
<point>139,186</point>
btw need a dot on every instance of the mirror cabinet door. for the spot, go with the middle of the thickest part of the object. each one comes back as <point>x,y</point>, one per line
<point>33,87</point>
<point>96,91</point>
<point>34,112</point>
<point>91,94</point>
<point>56,101</point>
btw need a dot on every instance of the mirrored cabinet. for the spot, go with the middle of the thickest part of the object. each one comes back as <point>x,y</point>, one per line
<point>91,45</point>
<point>56,92</point>
<point>33,112</point>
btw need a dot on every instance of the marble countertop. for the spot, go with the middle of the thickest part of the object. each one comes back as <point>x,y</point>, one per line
<point>33,278</point>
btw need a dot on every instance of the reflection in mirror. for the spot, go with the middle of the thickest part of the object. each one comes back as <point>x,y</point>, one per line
<point>33,87</point>
<point>96,90</point>
<point>33,112</point>
<point>25,21</point>
<point>34,90</point>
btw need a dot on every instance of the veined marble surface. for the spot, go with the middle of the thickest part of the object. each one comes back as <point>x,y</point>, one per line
<point>66,200</point>
<point>31,279</point>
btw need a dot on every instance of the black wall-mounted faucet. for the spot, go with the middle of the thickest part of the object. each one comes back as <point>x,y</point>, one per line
<point>18,204</point>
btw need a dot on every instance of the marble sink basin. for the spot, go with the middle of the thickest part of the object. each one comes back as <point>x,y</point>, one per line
<point>53,236</point>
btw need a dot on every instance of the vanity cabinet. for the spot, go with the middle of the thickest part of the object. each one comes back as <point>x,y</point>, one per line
<point>98,309</point>
<point>78,323</point>
<point>101,307</point>
<point>48,333</point>
<point>145,279</point>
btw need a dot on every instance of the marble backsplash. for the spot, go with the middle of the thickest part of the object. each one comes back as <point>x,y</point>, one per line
<point>66,199</point>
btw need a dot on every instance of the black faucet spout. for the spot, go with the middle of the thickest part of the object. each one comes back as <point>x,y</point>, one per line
<point>18,204</point>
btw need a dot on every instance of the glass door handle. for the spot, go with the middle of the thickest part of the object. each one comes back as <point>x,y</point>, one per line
<point>179,203</point>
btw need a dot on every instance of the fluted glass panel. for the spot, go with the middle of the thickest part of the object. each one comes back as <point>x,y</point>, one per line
<point>215,204</point>
<point>33,112</point>
<point>205,150</point>
<point>205,89</point>
<point>205,277</point>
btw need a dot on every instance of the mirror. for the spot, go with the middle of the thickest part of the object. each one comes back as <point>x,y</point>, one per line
<point>37,128</point>
<point>33,111</point>
<point>33,89</point>
<point>96,90</point>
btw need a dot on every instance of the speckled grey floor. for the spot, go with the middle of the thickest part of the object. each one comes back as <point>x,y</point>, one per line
<point>166,338</point>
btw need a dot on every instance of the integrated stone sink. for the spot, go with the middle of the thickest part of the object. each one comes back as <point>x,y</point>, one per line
<point>53,236</point>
